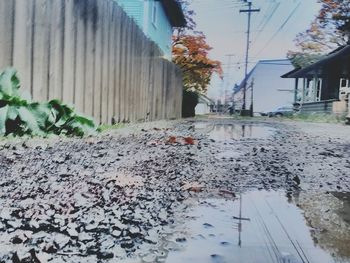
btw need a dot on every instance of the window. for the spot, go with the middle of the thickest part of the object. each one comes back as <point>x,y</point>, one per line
<point>318,89</point>
<point>154,14</point>
<point>344,89</point>
<point>344,83</point>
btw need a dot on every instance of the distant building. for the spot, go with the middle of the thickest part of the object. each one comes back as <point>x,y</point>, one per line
<point>205,105</point>
<point>156,18</point>
<point>324,86</point>
<point>270,91</point>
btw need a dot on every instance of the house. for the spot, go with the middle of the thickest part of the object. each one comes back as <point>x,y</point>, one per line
<point>265,88</point>
<point>324,86</point>
<point>156,18</point>
<point>205,105</point>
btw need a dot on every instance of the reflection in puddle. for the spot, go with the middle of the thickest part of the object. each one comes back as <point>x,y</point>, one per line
<point>223,132</point>
<point>265,227</point>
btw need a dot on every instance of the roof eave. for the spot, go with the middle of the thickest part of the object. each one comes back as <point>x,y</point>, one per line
<point>313,68</point>
<point>174,12</point>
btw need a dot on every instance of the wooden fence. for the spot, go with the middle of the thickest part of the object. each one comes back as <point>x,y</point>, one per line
<point>91,54</point>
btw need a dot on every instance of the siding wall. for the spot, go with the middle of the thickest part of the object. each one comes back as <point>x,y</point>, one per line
<point>91,54</point>
<point>270,91</point>
<point>161,31</point>
<point>317,107</point>
<point>142,11</point>
<point>134,9</point>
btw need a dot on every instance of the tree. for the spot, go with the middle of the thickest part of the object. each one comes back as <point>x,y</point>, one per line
<point>328,31</point>
<point>191,54</point>
<point>335,13</point>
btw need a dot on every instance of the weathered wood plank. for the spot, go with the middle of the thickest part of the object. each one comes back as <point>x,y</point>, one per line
<point>6,33</point>
<point>41,50</point>
<point>123,53</point>
<point>22,46</point>
<point>69,52</point>
<point>111,61</point>
<point>80,58</point>
<point>98,63</point>
<point>105,62</point>
<point>117,61</point>
<point>55,88</point>
<point>90,24</point>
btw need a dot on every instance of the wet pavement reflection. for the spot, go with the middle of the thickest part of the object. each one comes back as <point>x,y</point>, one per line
<point>262,226</point>
<point>223,132</point>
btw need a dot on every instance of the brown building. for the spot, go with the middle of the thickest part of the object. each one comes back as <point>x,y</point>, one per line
<point>324,86</point>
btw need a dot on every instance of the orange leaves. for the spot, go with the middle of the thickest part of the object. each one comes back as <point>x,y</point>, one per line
<point>173,140</point>
<point>189,140</point>
<point>182,140</point>
<point>329,30</point>
<point>190,53</point>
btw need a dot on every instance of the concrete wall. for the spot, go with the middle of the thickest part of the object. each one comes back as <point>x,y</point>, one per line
<point>91,54</point>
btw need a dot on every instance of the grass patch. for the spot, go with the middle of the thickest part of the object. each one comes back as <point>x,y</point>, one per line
<point>107,127</point>
<point>318,117</point>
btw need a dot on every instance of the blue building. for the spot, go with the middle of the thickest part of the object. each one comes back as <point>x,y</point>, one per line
<point>156,18</point>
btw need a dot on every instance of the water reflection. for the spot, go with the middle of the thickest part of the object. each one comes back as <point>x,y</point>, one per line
<point>265,227</point>
<point>223,132</point>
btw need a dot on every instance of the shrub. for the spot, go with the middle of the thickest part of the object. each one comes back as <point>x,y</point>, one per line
<point>20,116</point>
<point>189,103</point>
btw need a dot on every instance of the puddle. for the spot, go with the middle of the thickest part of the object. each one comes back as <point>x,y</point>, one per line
<point>265,227</point>
<point>224,132</point>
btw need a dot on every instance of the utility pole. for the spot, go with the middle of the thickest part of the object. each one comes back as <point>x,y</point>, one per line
<point>227,84</point>
<point>249,11</point>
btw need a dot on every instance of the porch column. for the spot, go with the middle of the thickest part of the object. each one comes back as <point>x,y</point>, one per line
<point>314,88</point>
<point>296,90</point>
<point>348,116</point>
<point>304,89</point>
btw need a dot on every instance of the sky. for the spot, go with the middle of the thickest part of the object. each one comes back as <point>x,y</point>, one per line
<point>273,30</point>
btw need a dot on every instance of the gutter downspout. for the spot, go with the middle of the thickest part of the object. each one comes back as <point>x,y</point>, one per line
<point>348,116</point>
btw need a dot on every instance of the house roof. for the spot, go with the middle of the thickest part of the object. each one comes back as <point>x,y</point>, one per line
<point>318,68</point>
<point>204,99</point>
<point>173,10</point>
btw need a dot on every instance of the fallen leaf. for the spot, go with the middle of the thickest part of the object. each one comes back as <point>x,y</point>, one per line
<point>172,140</point>
<point>193,187</point>
<point>189,140</point>
<point>227,192</point>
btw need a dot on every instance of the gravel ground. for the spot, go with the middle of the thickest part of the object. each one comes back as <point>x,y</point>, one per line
<point>114,196</point>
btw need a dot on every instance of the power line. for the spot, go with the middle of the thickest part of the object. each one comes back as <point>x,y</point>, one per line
<point>266,22</point>
<point>279,29</point>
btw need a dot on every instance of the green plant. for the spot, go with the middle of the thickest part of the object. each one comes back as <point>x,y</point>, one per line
<point>20,116</point>
<point>319,117</point>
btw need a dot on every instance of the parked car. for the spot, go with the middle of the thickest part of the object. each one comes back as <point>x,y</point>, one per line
<point>282,111</point>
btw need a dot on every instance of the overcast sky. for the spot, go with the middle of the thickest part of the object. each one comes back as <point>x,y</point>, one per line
<point>273,30</point>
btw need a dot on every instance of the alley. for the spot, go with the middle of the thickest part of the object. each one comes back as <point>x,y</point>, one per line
<point>159,191</point>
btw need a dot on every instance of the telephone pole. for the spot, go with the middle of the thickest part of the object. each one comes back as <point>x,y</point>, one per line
<point>249,11</point>
<point>228,75</point>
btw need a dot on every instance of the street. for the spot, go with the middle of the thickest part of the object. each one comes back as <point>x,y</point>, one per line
<point>195,190</point>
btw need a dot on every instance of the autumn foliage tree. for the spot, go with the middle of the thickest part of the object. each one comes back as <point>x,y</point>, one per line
<point>328,31</point>
<point>191,54</point>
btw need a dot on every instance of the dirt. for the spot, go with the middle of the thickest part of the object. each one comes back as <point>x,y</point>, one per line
<point>118,195</point>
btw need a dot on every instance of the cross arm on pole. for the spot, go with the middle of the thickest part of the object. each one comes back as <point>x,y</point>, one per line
<point>249,10</point>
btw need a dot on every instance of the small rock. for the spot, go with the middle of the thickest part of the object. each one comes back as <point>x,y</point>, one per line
<point>116,233</point>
